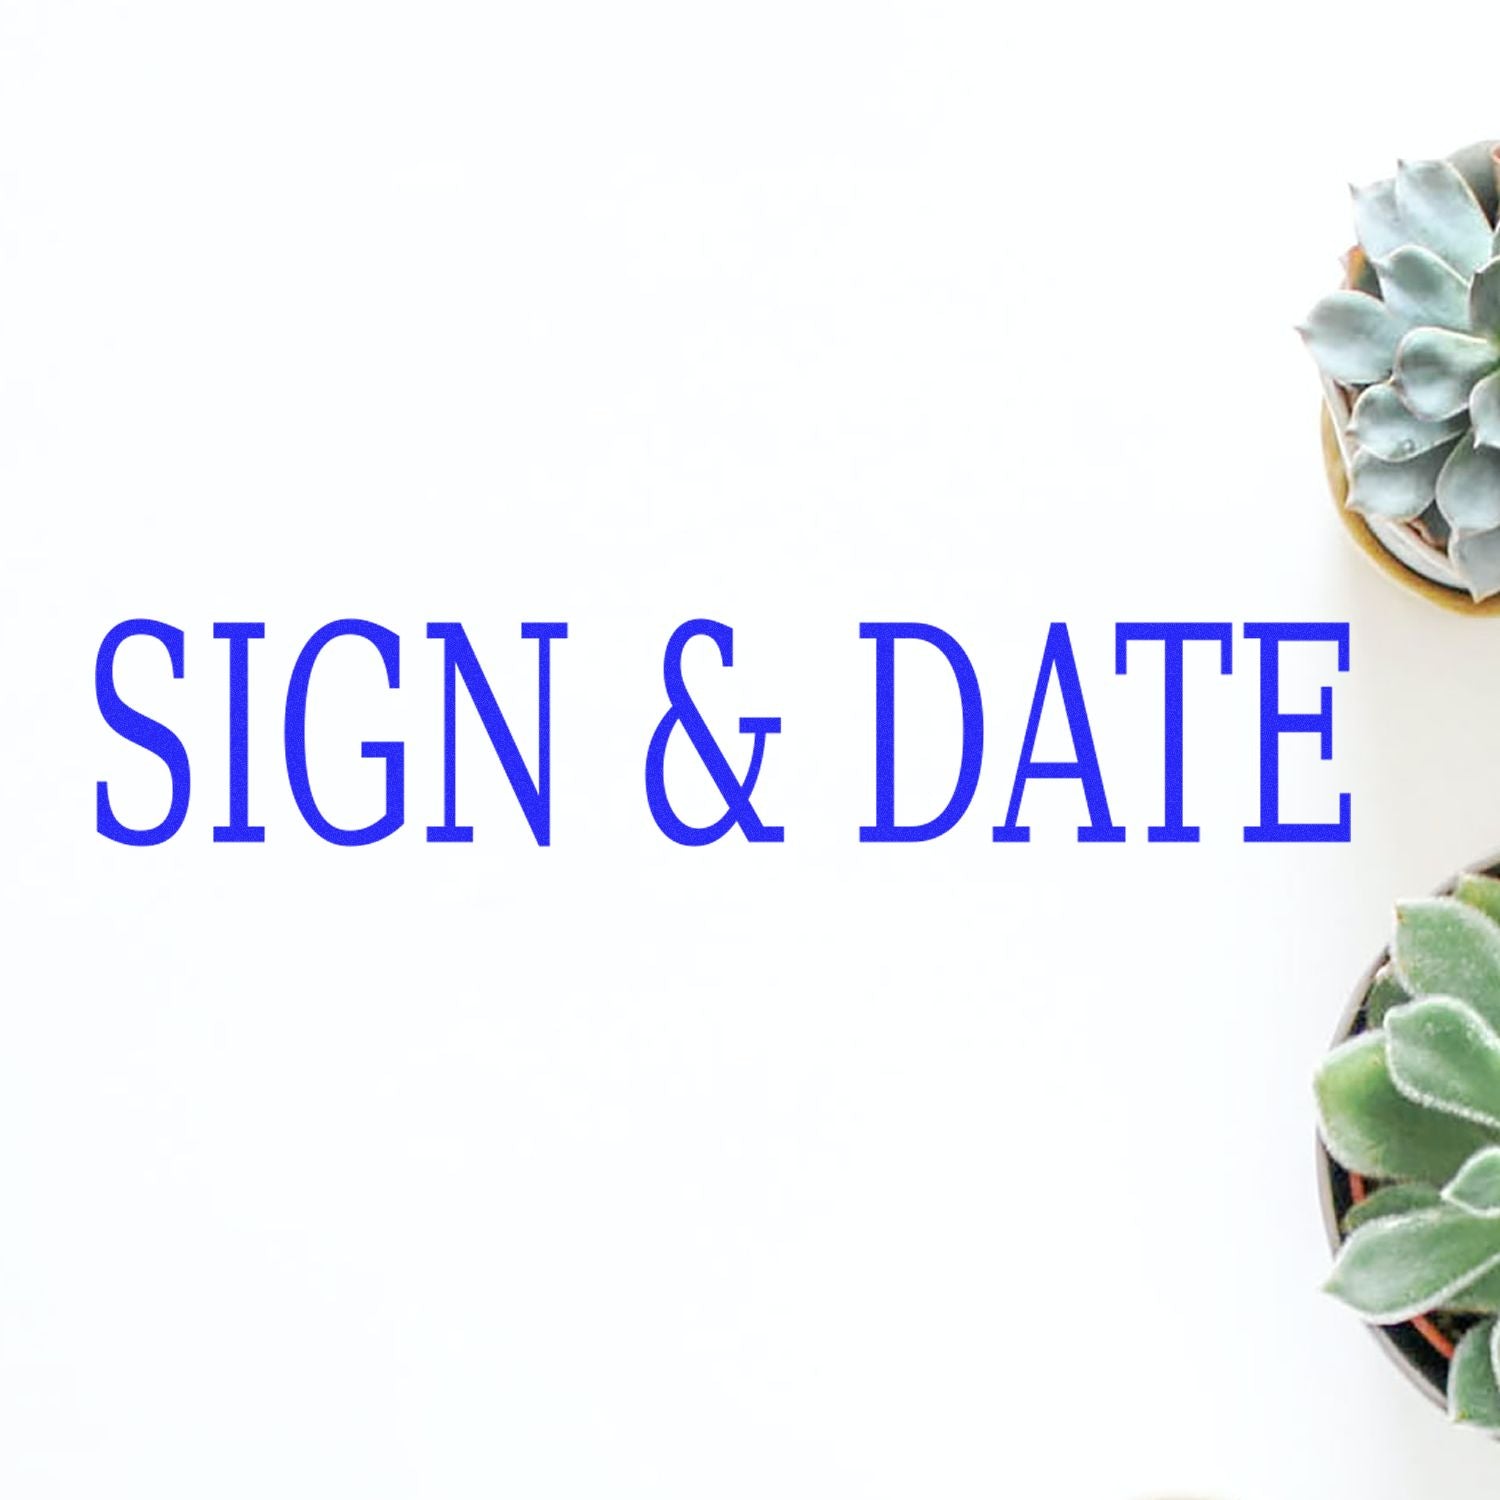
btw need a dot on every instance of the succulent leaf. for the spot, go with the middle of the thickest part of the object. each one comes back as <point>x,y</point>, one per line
<point>1473,1393</point>
<point>1424,289</point>
<point>1382,424</point>
<point>1476,558</point>
<point>1353,337</point>
<point>1482,1295</point>
<point>1443,1056</point>
<point>1399,491</point>
<point>1476,1184</point>
<point>1386,991</point>
<point>1377,220</point>
<point>1482,892</point>
<point>1468,488</point>
<point>1476,164</point>
<point>1439,211</point>
<point>1435,527</point>
<point>1484,411</point>
<point>1444,947</point>
<point>1405,1264</point>
<point>1436,368</point>
<point>1398,1198</point>
<point>1370,1127</point>
<point>1484,301</point>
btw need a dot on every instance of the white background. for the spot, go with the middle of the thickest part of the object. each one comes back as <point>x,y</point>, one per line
<point>618,1169</point>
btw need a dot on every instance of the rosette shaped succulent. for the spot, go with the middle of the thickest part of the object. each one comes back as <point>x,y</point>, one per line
<point>1413,340</point>
<point>1410,1104</point>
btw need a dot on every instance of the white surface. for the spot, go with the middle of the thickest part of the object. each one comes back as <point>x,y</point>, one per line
<point>620,1169</point>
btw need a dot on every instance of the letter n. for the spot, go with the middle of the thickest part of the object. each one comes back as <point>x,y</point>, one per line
<point>534,796</point>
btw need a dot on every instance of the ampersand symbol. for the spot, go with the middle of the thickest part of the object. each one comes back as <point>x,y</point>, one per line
<point>684,711</point>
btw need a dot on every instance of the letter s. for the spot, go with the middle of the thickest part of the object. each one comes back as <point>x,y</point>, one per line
<point>134,726</point>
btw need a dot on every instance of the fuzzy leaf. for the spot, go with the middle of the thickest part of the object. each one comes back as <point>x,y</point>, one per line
<point>1484,410</point>
<point>1439,211</point>
<point>1377,220</point>
<point>1397,1267</point>
<point>1436,368</point>
<point>1370,1127</point>
<point>1382,424</point>
<point>1443,1056</point>
<point>1476,1184</point>
<point>1400,492</point>
<point>1425,290</point>
<point>1398,1198</point>
<point>1468,488</point>
<point>1476,558</point>
<point>1386,990</point>
<point>1473,1393</point>
<point>1482,892</point>
<point>1482,1295</point>
<point>1484,300</point>
<point>1444,947</point>
<point>1353,337</point>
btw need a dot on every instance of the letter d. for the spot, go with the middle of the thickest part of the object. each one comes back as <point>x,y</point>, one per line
<point>886,830</point>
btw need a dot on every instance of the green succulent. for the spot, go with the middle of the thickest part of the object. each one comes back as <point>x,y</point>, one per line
<point>1414,340</point>
<point>1412,1104</point>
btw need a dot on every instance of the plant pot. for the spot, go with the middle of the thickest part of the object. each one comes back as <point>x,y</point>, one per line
<point>1422,1347</point>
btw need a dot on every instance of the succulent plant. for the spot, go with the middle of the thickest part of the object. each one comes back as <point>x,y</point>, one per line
<point>1411,1103</point>
<point>1414,341</point>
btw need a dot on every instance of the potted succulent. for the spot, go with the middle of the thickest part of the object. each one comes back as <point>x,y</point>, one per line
<point>1409,1120</point>
<point>1409,350</point>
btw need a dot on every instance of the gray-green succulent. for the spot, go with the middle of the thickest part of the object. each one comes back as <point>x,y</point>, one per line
<point>1414,343</point>
<point>1411,1103</point>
